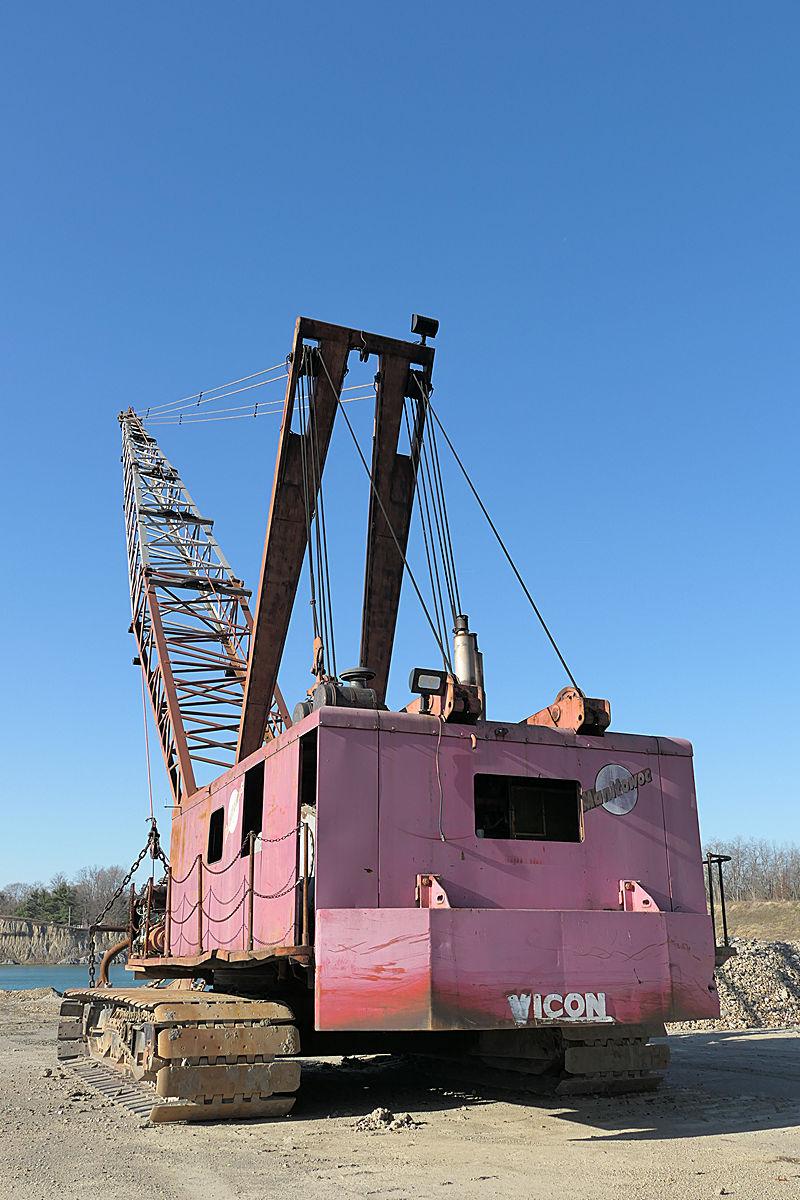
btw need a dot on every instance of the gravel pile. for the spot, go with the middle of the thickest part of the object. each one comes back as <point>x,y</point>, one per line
<point>759,988</point>
<point>383,1119</point>
<point>44,1000</point>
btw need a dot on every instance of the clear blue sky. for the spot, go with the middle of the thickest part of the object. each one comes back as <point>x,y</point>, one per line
<point>600,203</point>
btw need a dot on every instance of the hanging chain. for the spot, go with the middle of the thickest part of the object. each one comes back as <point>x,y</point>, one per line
<point>151,846</point>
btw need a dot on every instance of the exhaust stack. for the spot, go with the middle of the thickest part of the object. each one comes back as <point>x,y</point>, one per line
<point>467,658</point>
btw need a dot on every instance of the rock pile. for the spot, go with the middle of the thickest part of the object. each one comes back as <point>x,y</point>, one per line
<point>45,1000</point>
<point>759,988</point>
<point>383,1119</point>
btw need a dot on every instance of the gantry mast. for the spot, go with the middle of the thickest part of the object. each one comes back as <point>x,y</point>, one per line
<point>321,352</point>
<point>190,616</point>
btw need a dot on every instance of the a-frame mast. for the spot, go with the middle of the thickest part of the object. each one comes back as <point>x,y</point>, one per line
<point>403,370</point>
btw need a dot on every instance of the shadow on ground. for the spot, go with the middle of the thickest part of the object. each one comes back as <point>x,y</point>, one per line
<point>720,1082</point>
<point>354,1087</point>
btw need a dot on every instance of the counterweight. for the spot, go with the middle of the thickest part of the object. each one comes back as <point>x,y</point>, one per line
<point>191,619</point>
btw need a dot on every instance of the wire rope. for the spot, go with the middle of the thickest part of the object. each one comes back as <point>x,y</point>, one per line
<point>441,644</point>
<point>433,574</point>
<point>322,562</point>
<point>147,749</point>
<point>317,615</point>
<point>247,415</point>
<point>438,526</point>
<point>500,541</point>
<point>210,395</point>
<point>445,518</point>
<point>209,392</point>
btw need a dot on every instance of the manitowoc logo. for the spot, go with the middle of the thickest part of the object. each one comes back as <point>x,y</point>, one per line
<point>574,1006</point>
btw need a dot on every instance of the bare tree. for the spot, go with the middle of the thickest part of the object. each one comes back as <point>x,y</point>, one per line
<point>94,887</point>
<point>13,896</point>
<point>759,869</point>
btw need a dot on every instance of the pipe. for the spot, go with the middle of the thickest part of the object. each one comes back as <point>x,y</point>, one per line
<point>109,957</point>
<point>199,861</point>
<point>168,915</point>
<point>148,910</point>
<point>304,929</point>
<point>251,870</point>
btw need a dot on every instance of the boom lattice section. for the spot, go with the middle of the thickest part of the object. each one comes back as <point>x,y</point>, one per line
<point>191,619</point>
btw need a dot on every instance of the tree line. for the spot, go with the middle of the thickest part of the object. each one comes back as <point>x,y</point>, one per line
<point>75,901</point>
<point>759,869</point>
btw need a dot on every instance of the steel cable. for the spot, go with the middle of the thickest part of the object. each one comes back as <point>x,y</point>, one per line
<point>247,415</point>
<point>147,750</point>
<point>390,527</point>
<point>316,616</point>
<point>438,525</point>
<point>208,394</point>
<point>424,516</point>
<point>323,565</point>
<point>500,541</point>
<point>449,539</point>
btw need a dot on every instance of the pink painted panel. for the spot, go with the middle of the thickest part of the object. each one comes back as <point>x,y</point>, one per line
<point>444,969</point>
<point>683,833</point>
<point>483,872</point>
<point>225,883</point>
<point>276,862</point>
<point>183,851</point>
<point>650,966</point>
<point>373,968</point>
<point>347,815</point>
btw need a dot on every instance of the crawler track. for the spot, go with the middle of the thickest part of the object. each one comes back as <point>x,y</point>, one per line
<point>597,1060</point>
<point>609,1060</point>
<point>178,1055</point>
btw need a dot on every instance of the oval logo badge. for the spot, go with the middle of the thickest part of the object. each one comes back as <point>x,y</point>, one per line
<point>622,788</point>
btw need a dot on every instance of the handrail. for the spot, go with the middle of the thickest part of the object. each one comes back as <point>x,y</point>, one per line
<point>205,918</point>
<point>724,949</point>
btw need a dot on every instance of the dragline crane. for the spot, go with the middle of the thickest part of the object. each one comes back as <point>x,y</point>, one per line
<point>524,896</point>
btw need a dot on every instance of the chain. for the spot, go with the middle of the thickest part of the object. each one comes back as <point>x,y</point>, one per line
<point>151,846</point>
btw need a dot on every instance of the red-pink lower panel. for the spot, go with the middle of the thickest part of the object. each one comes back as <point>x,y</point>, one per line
<point>410,968</point>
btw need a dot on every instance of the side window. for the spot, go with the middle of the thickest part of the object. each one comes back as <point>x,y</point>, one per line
<point>253,805</point>
<point>216,823</point>
<point>517,807</point>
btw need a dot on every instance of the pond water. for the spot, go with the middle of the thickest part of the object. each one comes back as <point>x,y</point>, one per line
<point>21,978</point>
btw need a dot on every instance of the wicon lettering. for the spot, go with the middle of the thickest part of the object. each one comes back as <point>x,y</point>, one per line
<point>553,1006</point>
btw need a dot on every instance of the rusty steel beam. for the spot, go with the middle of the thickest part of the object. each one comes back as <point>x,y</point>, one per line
<point>369,343</point>
<point>286,538</point>
<point>394,478</point>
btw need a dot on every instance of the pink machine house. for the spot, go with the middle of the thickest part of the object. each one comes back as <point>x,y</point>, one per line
<point>524,896</point>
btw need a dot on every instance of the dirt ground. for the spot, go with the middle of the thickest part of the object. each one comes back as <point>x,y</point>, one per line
<point>727,1123</point>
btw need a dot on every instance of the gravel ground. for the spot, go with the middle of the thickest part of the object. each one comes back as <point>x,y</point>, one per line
<point>759,988</point>
<point>725,1124</point>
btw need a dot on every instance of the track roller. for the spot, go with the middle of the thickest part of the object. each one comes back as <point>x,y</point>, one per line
<point>190,1056</point>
